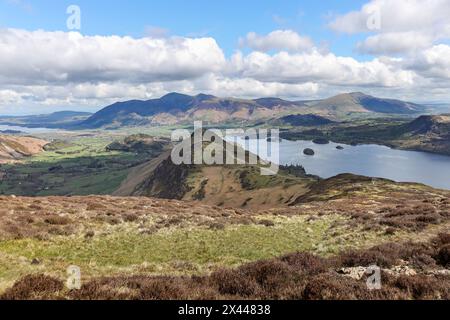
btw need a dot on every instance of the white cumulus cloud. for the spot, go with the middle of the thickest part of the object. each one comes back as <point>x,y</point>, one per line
<point>318,67</point>
<point>277,40</point>
<point>399,25</point>
<point>395,43</point>
<point>53,57</point>
<point>431,63</point>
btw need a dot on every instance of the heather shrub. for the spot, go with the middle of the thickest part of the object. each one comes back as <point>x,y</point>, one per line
<point>234,283</point>
<point>389,254</point>
<point>130,217</point>
<point>165,288</point>
<point>443,256</point>
<point>423,287</point>
<point>95,206</point>
<point>422,261</point>
<point>34,287</point>
<point>274,277</point>
<point>380,256</point>
<point>35,207</point>
<point>330,287</point>
<point>267,223</point>
<point>57,220</point>
<point>216,226</point>
<point>443,238</point>
<point>60,231</point>
<point>306,262</point>
<point>390,231</point>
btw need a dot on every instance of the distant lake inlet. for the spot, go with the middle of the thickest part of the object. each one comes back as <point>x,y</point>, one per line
<point>24,129</point>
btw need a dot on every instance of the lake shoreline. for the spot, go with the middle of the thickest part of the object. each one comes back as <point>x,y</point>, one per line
<point>377,143</point>
<point>370,160</point>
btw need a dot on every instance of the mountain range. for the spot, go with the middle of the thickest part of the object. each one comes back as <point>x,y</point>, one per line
<point>58,119</point>
<point>175,108</point>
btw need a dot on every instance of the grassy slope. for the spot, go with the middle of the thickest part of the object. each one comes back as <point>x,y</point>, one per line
<point>140,236</point>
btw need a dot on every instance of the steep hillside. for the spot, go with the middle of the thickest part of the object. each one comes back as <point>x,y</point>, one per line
<point>15,148</point>
<point>158,178</point>
<point>429,125</point>
<point>228,186</point>
<point>178,108</point>
<point>427,133</point>
<point>387,105</point>
<point>136,111</point>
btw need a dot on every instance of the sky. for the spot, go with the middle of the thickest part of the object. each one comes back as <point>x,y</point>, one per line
<point>99,52</point>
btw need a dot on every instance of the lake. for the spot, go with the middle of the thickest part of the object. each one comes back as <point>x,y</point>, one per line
<point>367,160</point>
<point>25,130</point>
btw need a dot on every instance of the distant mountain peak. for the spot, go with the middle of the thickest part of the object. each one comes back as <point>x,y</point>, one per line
<point>349,95</point>
<point>358,94</point>
<point>175,95</point>
<point>203,96</point>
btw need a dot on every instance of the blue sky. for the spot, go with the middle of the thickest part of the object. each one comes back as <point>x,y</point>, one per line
<point>289,49</point>
<point>226,21</point>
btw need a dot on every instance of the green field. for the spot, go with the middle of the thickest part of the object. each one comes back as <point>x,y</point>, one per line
<point>82,167</point>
